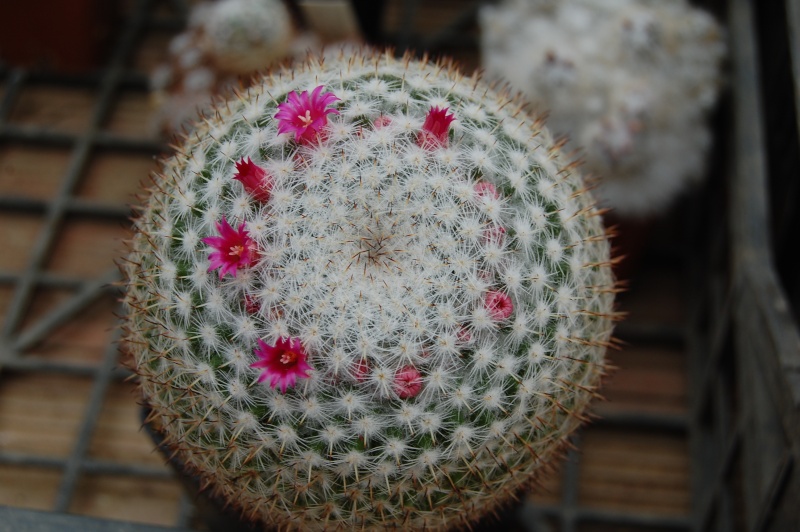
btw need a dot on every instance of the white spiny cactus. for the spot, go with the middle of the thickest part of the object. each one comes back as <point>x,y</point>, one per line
<point>243,35</point>
<point>629,81</point>
<point>369,292</point>
<point>224,39</point>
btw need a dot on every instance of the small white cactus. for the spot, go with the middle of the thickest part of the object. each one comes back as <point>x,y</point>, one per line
<point>224,39</point>
<point>630,82</point>
<point>368,292</point>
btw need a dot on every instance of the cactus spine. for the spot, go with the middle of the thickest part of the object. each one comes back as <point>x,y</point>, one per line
<point>390,314</point>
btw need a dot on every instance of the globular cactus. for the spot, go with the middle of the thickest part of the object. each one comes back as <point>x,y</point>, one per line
<point>630,82</point>
<point>368,292</point>
<point>224,39</point>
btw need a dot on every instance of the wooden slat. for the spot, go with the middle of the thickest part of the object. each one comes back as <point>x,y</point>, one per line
<point>118,436</point>
<point>40,414</point>
<point>84,338</point>
<point>650,380</point>
<point>634,471</point>
<point>138,500</point>
<point>31,171</point>
<point>656,295</point>
<point>133,115</point>
<point>87,247</point>
<point>28,487</point>
<point>54,108</point>
<point>17,231</point>
<point>114,177</point>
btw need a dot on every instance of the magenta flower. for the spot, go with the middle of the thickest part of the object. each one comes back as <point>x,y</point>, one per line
<point>498,305</point>
<point>305,115</point>
<point>436,128</point>
<point>233,249</point>
<point>281,364</point>
<point>257,182</point>
<point>407,382</point>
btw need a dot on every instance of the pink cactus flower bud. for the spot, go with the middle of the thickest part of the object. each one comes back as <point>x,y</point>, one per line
<point>407,382</point>
<point>257,182</point>
<point>381,121</point>
<point>436,129</point>
<point>488,190</point>
<point>498,305</point>
<point>361,370</point>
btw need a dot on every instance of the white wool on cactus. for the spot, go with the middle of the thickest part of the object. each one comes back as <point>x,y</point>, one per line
<point>243,35</point>
<point>630,82</point>
<point>368,292</point>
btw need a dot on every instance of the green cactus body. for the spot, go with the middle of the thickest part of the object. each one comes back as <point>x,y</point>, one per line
<point>448,284</point>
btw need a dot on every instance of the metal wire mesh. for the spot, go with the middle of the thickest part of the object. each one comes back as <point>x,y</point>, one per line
<point>629,470</point>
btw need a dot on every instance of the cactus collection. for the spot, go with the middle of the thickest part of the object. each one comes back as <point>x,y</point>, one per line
<point>368,292</point>
<point>630,82</point>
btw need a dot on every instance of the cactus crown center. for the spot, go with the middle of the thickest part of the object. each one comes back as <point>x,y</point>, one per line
<point>376,246</point>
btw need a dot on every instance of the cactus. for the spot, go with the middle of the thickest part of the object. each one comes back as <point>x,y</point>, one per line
<point>369,292</point>
<point>629,81</point>
<point>224,39</point>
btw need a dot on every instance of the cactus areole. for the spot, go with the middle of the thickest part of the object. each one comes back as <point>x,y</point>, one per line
<point>368,293</point>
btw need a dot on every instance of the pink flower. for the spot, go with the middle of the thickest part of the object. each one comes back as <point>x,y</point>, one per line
<point>487,190</point>
<point>305,115</point>
<point>436,128</point>
<point>233,249</point>
<point>283,363</point>
<point>361,370</point>
<point>407,382</point>
<point>463,335</point>
<point>495,234</point>
<point>498,305</point>
<point>257,182</point>
<point>381,121</point>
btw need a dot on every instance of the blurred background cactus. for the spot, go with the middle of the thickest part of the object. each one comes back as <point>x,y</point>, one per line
<point>228,42</point>
<point>629,82</point>
<point>368,292</point>
<point>223,40</point>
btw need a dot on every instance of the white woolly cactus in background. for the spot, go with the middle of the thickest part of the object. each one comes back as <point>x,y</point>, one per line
<point>224,39</point>
<point>629,81</point>
<point>369,292</point>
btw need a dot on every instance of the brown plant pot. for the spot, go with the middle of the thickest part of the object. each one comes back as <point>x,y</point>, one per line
<point>66,36</point>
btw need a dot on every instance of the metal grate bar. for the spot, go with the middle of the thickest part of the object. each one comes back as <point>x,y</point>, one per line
<point>87,295</point>
<point>13,86</point>
<point>75,462</point>
<point>57,208</point>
